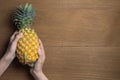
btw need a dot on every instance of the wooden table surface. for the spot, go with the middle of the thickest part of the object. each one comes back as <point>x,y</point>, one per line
<point>81,38</point>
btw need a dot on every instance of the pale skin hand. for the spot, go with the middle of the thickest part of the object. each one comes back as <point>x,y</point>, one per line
<point>36,71</point>
<point>10,53</point>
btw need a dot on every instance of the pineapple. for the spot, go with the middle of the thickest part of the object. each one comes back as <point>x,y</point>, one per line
<point>28,45</point>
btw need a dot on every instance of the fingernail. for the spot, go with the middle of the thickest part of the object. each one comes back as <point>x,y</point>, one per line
<point>39,50</point>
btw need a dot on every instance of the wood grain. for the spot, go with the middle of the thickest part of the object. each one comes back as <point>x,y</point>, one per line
<point>81,38</point>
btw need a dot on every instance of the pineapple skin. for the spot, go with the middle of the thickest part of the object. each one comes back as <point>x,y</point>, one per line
<point>27,46</point>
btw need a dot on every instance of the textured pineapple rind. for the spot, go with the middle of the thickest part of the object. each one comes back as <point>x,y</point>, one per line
<point>28,46</point>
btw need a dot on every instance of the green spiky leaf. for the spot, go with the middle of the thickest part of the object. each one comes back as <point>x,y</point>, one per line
<point>24,58</point>
<point>24,16</point>
<point>29,8</point>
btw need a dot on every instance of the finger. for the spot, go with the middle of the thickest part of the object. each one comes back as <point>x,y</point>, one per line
<point>39,51</point>
<point>40,56</point>
<point>39,63</point>
<point>13,36</point>
<point>40,60</point>
<point>42,50</point>
<point>17,37</point>
<point>42,47</point>
<point>41,44</point>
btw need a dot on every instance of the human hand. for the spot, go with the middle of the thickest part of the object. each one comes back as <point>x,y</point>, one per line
<point>13,44</point>
<point>10,53</point>
<point>39,63</point>
<point>36,71</point>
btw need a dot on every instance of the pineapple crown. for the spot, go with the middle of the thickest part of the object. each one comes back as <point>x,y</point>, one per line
<point>24,16</point>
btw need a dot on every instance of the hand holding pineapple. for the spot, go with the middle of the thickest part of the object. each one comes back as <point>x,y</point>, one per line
<point>36,71</point>
<point>13,44</point>
<point>10,52</point>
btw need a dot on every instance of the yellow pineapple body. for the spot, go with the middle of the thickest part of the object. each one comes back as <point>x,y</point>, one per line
<point>28,46</point>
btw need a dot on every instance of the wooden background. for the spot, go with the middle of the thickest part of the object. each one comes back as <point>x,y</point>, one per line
<point>81,38</point>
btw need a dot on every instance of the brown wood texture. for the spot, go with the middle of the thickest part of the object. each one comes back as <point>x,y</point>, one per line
<point>81,38</point>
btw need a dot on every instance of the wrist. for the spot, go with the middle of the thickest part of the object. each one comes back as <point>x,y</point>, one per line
<point>39,75</point>
<point>9,56</point>
<point>36,73</point>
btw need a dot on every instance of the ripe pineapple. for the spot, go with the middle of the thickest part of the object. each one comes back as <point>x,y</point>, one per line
<point>28,45</point>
